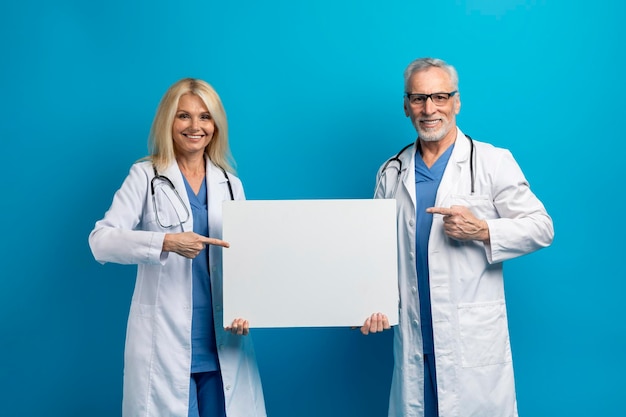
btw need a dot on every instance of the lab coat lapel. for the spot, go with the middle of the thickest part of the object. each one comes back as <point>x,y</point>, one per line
<point>454,169</point>
<point>408,172</point>
<point>217,191</point>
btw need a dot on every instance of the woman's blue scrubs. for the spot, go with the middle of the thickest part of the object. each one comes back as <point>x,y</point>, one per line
<point>206,394</point>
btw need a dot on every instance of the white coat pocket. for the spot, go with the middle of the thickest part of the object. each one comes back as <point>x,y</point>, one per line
<point>484,334</point>
<point>480,205</point>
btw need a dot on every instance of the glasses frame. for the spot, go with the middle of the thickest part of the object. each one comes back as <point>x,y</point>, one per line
<point>410,96</point>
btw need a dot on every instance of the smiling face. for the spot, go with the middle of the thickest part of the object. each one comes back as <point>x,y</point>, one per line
<point>433,123</point>
<point>193,126</point>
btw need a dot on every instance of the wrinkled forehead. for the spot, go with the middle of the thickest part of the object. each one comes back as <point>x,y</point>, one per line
<point>430,80</point>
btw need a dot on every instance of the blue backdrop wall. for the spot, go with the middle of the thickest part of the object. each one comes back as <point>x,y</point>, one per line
<point>313,91</point>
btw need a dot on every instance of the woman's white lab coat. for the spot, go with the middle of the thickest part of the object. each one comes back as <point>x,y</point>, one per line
<point>157,358</point>
<point>471,339</point>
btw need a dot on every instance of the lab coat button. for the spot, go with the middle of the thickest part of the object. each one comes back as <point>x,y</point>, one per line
<point>413,290</point>
<point>411,255</point>
<point>411,222</point>
<point>228,387</point>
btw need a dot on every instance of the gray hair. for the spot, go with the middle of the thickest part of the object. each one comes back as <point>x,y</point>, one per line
<point>422,64</point>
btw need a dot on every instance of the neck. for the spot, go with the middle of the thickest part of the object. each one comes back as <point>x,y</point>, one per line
<point>192,166</point>
<point>432,150</point>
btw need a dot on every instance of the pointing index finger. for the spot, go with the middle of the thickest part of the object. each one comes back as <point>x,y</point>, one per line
<point>216,242</point>
<point>439,210</point>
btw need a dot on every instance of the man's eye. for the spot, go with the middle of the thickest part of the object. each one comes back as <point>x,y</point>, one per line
<point>419,99</point>
<point>440,97</point>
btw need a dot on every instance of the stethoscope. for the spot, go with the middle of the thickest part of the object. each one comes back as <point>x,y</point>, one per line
<point>398,166</point>
<point>185,217</point>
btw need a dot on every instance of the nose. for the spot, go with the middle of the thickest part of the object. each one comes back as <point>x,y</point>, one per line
<point>194,124</point>
<point>429,106</point>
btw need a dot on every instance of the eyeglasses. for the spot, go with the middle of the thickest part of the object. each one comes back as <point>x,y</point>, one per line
<point>438,99</point>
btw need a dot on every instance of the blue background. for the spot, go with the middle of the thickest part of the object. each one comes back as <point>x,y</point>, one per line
<point>313,92</point>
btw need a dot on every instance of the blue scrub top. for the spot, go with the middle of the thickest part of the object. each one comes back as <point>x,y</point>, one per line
<point>427,182</point>
<point>203,344</point>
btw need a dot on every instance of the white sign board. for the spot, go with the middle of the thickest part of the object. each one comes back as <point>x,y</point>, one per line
<point>310,263</point>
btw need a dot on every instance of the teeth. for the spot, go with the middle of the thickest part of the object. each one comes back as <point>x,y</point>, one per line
<point>194,136</point>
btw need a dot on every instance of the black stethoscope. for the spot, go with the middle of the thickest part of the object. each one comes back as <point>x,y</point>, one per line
<point>181,219</point>
<point>398,165</point>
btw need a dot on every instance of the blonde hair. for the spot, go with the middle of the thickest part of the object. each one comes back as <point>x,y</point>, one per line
<point>160,141</point>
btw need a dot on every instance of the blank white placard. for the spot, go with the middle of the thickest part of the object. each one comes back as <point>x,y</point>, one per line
<point>310,263</point>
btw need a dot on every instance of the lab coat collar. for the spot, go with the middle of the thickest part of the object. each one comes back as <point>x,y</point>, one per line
<point>408,171</point>
<point>459,156</point>
<point>458,160</point>
<point>214,174</point>
<point>214,179</point>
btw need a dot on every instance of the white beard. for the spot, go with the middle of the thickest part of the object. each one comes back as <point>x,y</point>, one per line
<point>433,135</point>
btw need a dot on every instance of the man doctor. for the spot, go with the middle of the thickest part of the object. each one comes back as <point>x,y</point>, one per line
<point>463,207</point>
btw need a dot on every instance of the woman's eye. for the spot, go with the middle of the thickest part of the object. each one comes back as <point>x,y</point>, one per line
<point>206,117</point>
<point>183,116</point>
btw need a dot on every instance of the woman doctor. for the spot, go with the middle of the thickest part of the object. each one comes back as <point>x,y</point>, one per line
<point>179,360</point>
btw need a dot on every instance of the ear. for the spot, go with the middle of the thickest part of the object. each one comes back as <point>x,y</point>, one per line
<point>457,104</point>
<point>406,108</point>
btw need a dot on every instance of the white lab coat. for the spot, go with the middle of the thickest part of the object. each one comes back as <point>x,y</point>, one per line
<point>158,339</point>
<point>471,339</point>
